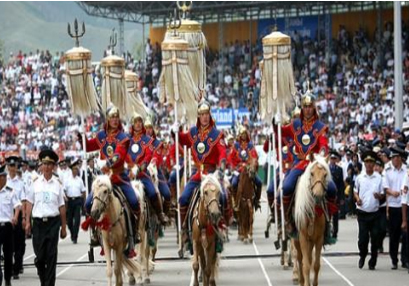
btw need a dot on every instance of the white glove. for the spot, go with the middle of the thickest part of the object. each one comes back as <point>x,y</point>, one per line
<point>175,127</point>
<point>135,170</point>
<point>236,173</point>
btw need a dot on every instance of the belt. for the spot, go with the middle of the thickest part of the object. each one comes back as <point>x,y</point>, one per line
<point>74,198</point>
<point>4,223</point>
<point>45,219</point>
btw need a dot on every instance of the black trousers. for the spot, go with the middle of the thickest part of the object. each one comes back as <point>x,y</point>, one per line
<point>407,238</point>
<point>6,244</point>
<point>45,244</point>
<point>74,208</point>
<point>19,245</point>
<point>335,223</point>
<point>395,234</point>
<point>383,224</point>
<point>368,224</point>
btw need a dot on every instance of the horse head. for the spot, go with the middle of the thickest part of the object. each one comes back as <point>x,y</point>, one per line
<point>102,191</point>
<point>210,191</point>
<point>320,176</point>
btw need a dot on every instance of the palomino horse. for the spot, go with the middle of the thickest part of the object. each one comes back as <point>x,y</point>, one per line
<point>245,200</point>
<point>309,217</point>
<point>205,227</point>
<point>109,214</point>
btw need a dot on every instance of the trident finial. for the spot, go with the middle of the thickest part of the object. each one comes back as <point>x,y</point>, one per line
<point>113,41</point>
<point>185,7</point>
<point>176,22</point>
<point>76,35</point>
<point>308,86</point>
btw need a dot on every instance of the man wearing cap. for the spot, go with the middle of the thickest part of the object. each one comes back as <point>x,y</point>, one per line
<point>10,207</point>
<point>19,238</point>
<point>383,223</point>
<point>368,192</point>
<point>64,173</point>
<point>113,143</point>
<point>405,212</point>
<point>157,149</point>
<point>75,194</point>
<point>393,180</point>
<point>208,152</point>
<point>244,155</point>
<point>138,158</point>
<point>46,203</point>
<point>309,135</point>
<point>337,177</point>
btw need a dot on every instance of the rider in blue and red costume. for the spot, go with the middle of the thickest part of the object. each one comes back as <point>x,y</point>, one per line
<point>113,144</point>
<point>208,152</point>
<point>309,136</point>
<point>139,155</point>
<point>158,151</point>
<point>288,155</point>
<point>242,154</point>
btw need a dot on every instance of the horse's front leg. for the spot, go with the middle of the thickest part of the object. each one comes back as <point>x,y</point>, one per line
<point>251,220</point>
<point>195,263</point>
<point>299,261</point>
<point>317,262</point>
<point>118,267</point>
<point>107,254</point>
<point>306,257</point>
<point>213,266</point>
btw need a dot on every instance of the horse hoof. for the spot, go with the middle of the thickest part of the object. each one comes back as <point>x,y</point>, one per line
<point>285,267</point>
<point>147,281</point>
<point>266,234</point>
<point>180,253</point>
<point>295,282</point>
<point>132,281</point>
<point>246,241</point>
<point>251,240</point>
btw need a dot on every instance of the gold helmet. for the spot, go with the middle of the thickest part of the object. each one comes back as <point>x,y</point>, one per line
<point>148,122</point>
<point>308,99</point>
<point>135,116</point>
<point>242,130</point>
<point>112,111</point>
<point>203,107</point>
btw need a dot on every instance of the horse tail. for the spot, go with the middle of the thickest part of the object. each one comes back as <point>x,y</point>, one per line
<point>304,201</point>
<point>132,266</point>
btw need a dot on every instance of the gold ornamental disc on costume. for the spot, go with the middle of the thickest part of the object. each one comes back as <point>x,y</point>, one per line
<point>201,148</point>
<point>285,150</point>
<point>306,139</point>
<point>243,154</point>
<point>110,150</point>
<point>135,148</point>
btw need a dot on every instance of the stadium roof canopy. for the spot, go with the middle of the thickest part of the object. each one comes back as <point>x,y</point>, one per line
<point>157,12</point>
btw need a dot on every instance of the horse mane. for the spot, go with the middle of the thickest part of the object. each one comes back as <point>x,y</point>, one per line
<point>102,180</point>
<point>211,179</point>
<point>304,199</point>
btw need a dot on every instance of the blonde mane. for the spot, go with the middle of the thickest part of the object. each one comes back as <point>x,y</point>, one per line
<point>304,200</point>
<point>101,180</point>
<point>210,179</point>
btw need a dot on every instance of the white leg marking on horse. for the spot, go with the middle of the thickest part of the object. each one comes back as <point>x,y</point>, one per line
<point>337,272</point>
<point>262,265</point>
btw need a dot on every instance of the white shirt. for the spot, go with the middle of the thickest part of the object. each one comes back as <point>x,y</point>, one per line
<point>46,196</point>
<point>405,197</point>
<point>17,185</point>
<point>393,179</point>
<point>366,186</point>
<point>74,187</point>
<point>8,202</point>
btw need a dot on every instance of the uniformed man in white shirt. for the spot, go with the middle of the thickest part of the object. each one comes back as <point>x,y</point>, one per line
<point>9,212</point>
<point>46,201</point>
<point>368,192</point>
<point>63,172</point>
<point>75,193</point>
<point>393,178</point>
<point>405,211</point>
<point>19,238</point>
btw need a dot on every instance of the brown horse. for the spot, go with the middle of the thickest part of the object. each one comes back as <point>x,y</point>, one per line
<point>109,214</point>
<point>206,229</point>
<point>245,200</point>
<point>309,217</point>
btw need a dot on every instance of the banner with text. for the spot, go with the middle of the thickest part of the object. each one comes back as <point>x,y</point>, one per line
<point>228,117</point>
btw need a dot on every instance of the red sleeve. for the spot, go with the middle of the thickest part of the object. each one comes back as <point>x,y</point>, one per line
<point>148,155</point>
<point>253,153</point>
<point>286,132</point>
<point>322,145</point>
<point>91,145</point>
<point>233,158</point>
<point>222,151</point>
<point>157,156</point>
<point>184,139</point>
<point>119,156</point>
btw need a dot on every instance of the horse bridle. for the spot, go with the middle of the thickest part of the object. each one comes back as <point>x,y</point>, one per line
<point>104,202</point>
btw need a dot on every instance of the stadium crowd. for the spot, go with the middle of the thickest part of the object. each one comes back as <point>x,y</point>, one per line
<point>353,84</point>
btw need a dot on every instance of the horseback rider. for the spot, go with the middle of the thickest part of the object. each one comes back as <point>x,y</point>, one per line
<point>139,155</point>
<point>208,151</point>
<point>157,147</point>
<point>288,154</point>
<point>243,154</point>
<point>113,144</point>
<point>309,135</point>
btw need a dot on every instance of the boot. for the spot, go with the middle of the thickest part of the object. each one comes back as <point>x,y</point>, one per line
<point>137,217</point>
<point>156,203</point>
<point>183,214</point>
<point>94,237</point>
<point>287,215</point>
<point>166,207</point>
<point>271,206</point>
<point>173,192</point>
